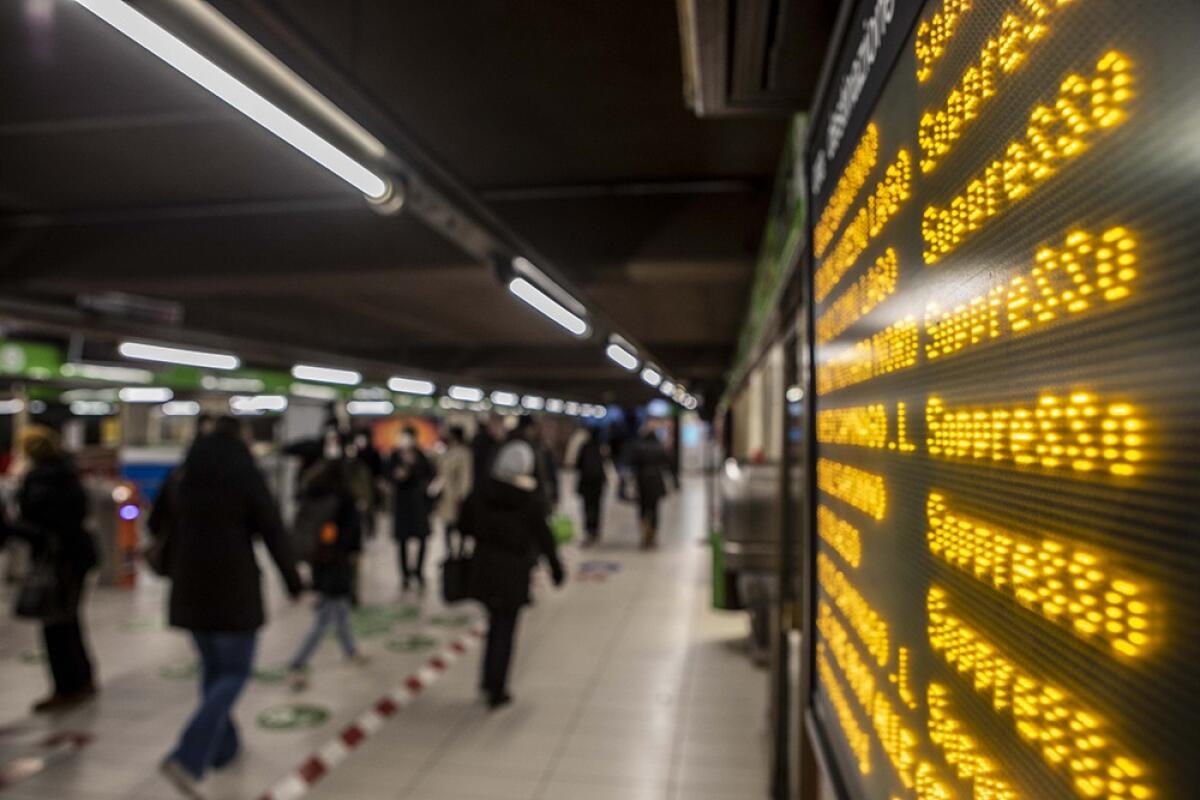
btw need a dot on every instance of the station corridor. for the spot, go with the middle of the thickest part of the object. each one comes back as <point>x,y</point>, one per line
<point>627,685</point>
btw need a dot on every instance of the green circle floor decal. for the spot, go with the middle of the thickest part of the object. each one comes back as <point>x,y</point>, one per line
<point>143,624</point>
<point>292,717</point>
<point>450,620</point>
<point>412,643</point>
<point>179,671</point>
<point>270,674</point>
<point>32,657</point>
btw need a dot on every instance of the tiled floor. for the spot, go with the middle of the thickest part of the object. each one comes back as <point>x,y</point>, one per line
<point>630,688</point>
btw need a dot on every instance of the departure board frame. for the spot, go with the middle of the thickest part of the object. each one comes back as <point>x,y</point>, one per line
<point>1002,586</point>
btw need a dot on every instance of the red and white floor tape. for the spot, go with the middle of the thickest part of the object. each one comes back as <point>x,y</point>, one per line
<point>298,782</point>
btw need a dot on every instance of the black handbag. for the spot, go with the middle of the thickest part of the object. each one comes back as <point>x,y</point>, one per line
<point>49,592</point>
<point>457,576</point>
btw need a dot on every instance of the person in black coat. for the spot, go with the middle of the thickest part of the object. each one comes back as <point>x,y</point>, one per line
<point>52,506</point>
<point>487,439</point>
<point>545,470</point>
<point>411,474</point>
<point>650,464</point>
<point>334,563</point>
<point>210,511</point>
<point>591,463</point>
<point>507,520</point>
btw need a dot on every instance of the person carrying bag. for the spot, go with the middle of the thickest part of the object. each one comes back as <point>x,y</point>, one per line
<point>52,506</point>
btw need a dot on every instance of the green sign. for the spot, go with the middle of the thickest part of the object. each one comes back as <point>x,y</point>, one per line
<point>32,360</point>
<point>292,717</point>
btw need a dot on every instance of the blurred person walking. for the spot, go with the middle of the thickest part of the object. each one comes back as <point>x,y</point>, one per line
<point>455,473</point>
<point>52,505</point>
<point>206,521</point>
<point>506,518</point>
<point>650,465</point>
<point>488,438</point>
<point>411,474</point>
<point>592,466</point>
<point>334,561</point>
<point>545,471</point>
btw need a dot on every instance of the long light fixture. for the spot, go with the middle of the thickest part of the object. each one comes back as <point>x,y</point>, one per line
<point>145,394</point>
<point>369,408</point>
<point>651,375</point>
<point>667,388</point>
<point>313,392</point>
<point>410,385</point>
<point>181,408</point>
<point>622,357</point>
<point>547,305</point>
<point>103,372</point>
<point>466,394</point>
<point>13,406</point>
<point>191,63</point>
<point>533,402</point>
<point>342,377</point>
<point>571,408</point>
<point>253,405</point>
<point>554,405</point>
<point>178,355</point>
<point>91,408</point>
<point>504,398</point>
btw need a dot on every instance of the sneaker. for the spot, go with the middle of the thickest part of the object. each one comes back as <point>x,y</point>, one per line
<point>298,679</point>
<point>179,777</point>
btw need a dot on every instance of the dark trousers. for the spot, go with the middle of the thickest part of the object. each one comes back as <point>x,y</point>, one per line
<point>68,656</point>
<point>648,506</point>
<point>210,738</point>
<point>591,512</point>
<point>409,567</point>
<point>502,629</point>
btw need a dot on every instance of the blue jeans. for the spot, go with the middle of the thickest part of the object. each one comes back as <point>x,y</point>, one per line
<point>330,611</point>
<point>210,738</point>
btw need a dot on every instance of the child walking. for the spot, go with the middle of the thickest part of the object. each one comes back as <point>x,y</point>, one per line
<point>334,562</point>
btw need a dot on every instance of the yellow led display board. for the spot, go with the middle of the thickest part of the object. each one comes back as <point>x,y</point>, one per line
<point>1005,290</point>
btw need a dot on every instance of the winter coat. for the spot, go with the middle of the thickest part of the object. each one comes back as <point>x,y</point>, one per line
<point>650,466</point>
<point>52,505</point>
<point>455,474</point>
<point>590,462</point>
<point>217,507</point>
<point>483,449</point>
<point>510,532</point>
<point>334,565</point>
<point>410,497</point>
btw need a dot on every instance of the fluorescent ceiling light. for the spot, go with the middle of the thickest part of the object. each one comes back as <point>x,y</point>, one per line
<point>410,385</point>
<point>504,398</point>
<point>313,392</point>
<point>13,406</point>
<point>621,357</point>
<point>600,412</point>
<point>249,405</point>
<point>91,408</point>
<point>365,408</point>
<point>181,408</point>
<point>667,388</point>
<point>554,405</point>
<point>651,376</point>
<point>227,384</point>
<point>794,394</point>
<point>372,393</point>
<point>343,377</point>
<point>102,372</point>
<point>178,355</point>
<point>145,394</point>
<point>572,409</point>
<point>533,402</point>
<point>526,269</point>
<point>467,394</point>
<point>550,307</point>
<point>191,63</point>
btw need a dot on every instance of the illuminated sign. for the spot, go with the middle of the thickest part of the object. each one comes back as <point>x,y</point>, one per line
<point>1005,289</point>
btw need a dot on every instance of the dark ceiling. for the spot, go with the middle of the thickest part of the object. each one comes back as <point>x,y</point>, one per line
<point>566,119</point>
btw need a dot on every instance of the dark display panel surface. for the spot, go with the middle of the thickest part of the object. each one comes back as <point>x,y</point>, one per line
<point>1006,290</point>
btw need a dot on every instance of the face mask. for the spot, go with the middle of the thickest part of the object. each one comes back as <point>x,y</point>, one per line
<point>332,450</point>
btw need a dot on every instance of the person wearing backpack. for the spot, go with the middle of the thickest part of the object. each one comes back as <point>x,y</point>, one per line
<point>334,563</point>
<point>217,506</point>
<point>52,505</point>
